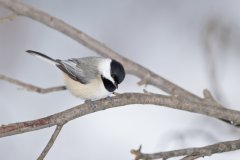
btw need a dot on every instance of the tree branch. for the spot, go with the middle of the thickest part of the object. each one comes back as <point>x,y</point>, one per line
<point>131,67</point>
<point>50,142</point>
<point>31,87</point>
<point>190,153</point>
<point>121,100</point>
<point>181,99</point>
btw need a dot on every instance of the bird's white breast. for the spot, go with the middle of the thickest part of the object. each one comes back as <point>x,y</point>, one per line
<point>91,91</point>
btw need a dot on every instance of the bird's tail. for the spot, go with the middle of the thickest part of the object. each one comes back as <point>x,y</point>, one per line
<point>42,56</point>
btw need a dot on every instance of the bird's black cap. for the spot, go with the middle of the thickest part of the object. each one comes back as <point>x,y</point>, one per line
<point>117,71</point>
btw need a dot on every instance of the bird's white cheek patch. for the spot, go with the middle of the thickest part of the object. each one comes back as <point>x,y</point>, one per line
<point>105,69</point>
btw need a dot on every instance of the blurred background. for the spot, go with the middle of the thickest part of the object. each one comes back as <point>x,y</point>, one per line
<point>194,44</point>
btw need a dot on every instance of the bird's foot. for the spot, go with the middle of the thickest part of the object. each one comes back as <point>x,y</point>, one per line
<point>109,98</point>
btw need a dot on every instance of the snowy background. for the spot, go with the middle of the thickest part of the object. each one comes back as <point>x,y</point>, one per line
<point>167,36</point>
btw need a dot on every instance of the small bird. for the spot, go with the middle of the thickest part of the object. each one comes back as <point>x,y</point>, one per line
<point>89,78</point>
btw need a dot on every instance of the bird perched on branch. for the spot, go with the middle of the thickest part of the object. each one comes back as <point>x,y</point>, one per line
<point>89,78</point>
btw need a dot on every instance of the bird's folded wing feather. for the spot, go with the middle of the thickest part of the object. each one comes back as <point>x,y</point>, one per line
<point>79,69</point>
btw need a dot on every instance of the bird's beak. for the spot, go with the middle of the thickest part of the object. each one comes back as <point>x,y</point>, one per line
<point>116,85</point>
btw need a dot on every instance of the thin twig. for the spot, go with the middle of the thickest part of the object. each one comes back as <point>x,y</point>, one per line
<point>31,87</point>
<point>50,142</point>
<point>207,95</point>
<point>190,153</point>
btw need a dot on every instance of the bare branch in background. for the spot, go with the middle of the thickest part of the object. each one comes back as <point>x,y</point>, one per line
<point>216,37</point>
<point>190,153</point>
<point>31,87</point>
<point>219,37</point>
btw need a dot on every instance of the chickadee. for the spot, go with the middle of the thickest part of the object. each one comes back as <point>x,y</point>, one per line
<point>89,78</point>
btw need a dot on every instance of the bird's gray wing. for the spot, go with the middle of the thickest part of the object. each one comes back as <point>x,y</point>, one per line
<point>82,69</point>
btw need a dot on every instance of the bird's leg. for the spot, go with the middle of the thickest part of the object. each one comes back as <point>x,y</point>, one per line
<point>109,98</point>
